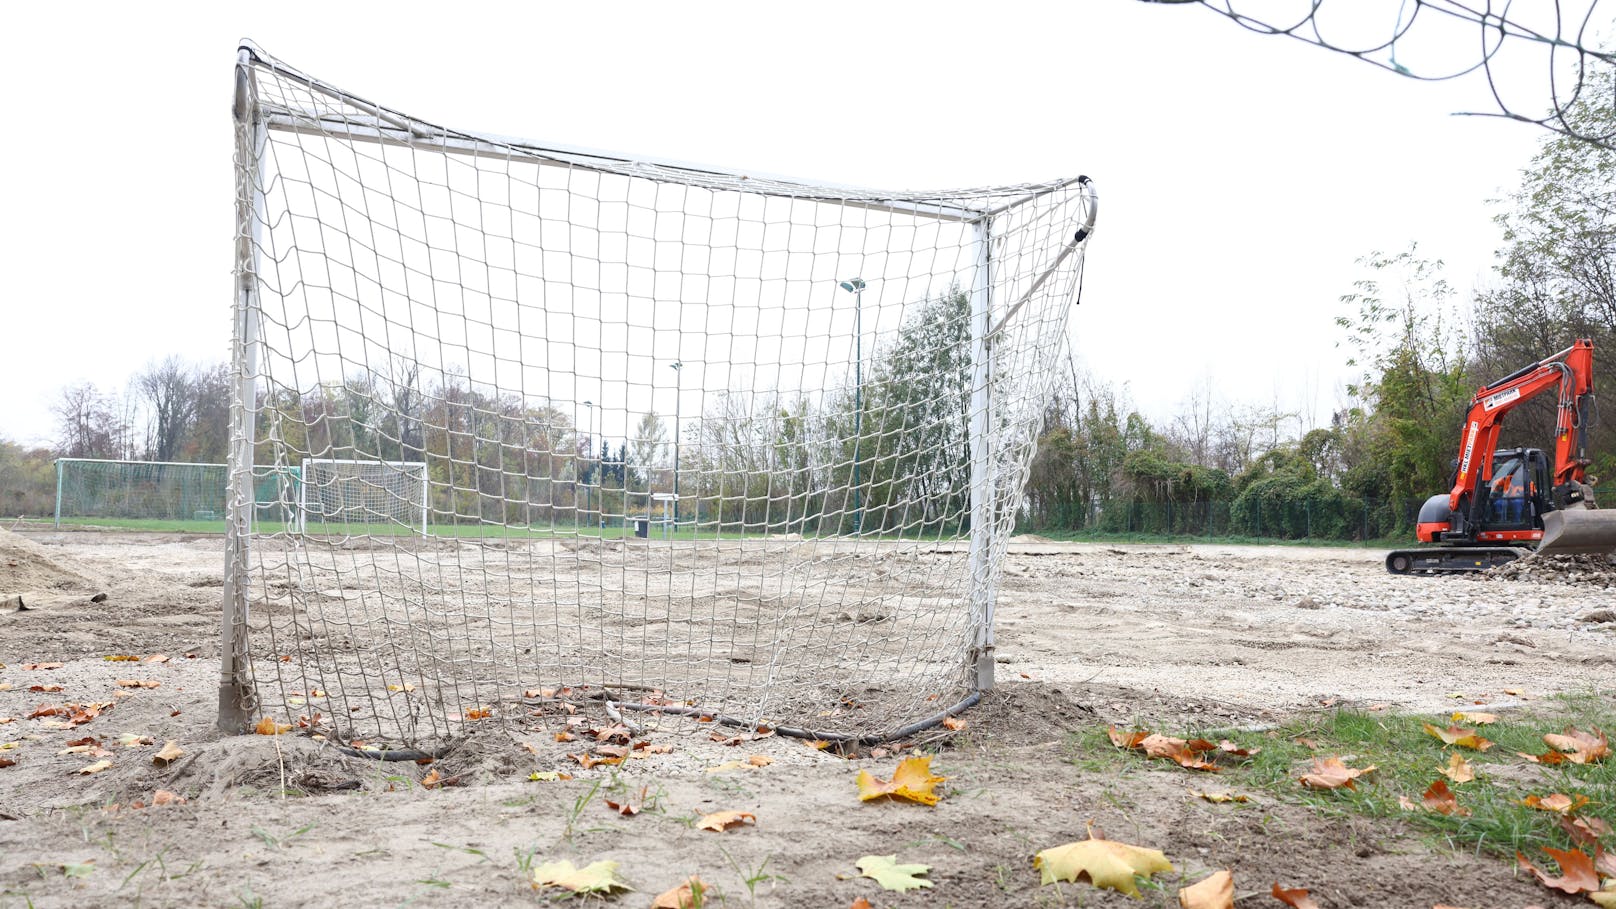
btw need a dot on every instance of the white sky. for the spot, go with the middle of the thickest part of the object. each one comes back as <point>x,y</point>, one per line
<point>1240,175</point>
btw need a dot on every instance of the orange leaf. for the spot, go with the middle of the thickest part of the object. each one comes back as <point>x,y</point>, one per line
<point>720,821</point>
<point>45,688</point>
<point>1458,769</point>
<point>1128,740</point>
<point>1583,747</point>
<point>1585,831</point>
<point>268,726</point>
<point>912,782</point>
<point>588,760</point>
<point>1215,892</point>
<point>564,736</point>
<point>630,807</point>
<point>1330,773</point>
<point>1559,803</point>
<point>1462,738</point>
<point>1550,757</point>
<point>1228,747</point>
<point>760,760</point>
<point>121,658</point>
<point>688,895</point>
<point>1440,798</point>
<point>953,723</point>
<point>7,762</point>
<point>164,797</point>
<point>861,903</point>
<point>1296,899</point>
<point>1576,871</point>
<point>480,713</point>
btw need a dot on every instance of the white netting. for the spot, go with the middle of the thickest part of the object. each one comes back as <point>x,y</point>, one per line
<point>726,442</point>
<point>378,496</point>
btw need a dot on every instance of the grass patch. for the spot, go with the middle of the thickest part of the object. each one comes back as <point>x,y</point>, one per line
<point>1408,760</point>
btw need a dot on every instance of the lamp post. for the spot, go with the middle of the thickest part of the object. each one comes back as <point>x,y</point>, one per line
<point>678,376</point>
<point>855,286</point>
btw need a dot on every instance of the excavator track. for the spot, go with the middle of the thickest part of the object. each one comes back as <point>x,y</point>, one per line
<point>1451,560</point>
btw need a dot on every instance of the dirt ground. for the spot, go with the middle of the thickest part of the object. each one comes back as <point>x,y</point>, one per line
<point>1181,637</point>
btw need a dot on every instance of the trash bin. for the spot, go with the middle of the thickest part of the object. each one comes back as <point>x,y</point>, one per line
<point>642,528</point>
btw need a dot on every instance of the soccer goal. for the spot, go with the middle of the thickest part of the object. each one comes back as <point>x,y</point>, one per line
<point>163,494</point>
<point>338,493</point>
<point>825,400</point>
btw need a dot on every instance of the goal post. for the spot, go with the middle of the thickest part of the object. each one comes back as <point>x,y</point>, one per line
<point>485,339</point>
<point>154,494</point>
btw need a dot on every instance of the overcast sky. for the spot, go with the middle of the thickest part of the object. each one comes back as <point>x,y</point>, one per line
<point>1241,176</point>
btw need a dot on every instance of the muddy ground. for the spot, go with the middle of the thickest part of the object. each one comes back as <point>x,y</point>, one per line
<point>1187,637</point>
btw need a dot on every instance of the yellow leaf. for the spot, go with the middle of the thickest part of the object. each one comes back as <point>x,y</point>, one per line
<point>544,776</point>
<point>97,767</point>
<point>1105,863</point>
<point>719,821</point>
<point>912,781</point>
<point>1458,769</point>
<point>689,895</point>
<point>1480,719</point>
<point>1218,798</point>
<point>1606,897</point>
<point>885,870</point>
<point>407,686</point>
<point>1462,738</point>
<point>267,726</point>
<point>169,753</point>
<point>1216,892</point>
<point>597,877</point>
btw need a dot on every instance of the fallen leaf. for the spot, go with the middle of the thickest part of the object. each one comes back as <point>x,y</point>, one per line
<point>1458,769</point>
<point>268,726</point>
<point>688,895</point>
<point>169,753</point>
<point>546,776</point>
<point>156,658</point>
<point>479,713</point>
<point>1105,863</point>
<point>629,807</point>
<point>1480,719</point>
<point>432,780</point>
<point>1515,692</point>
<point>953,723</point>
<point>1585,831</point>
<point>45,688</point>
<point>406,687</point>
<point>1581,747</point>
<point>885,870</point>
<point>131,740</point>
<point>1606,898</point>
<point>164,797</point>
<point>1306,742</point>
<point>588,761</point>
<point>1440,798</point>
<point>760,760</point>
<point>1576,871</point>
<point>1559,803</point>
<point>92,748</point>
<point>597,877</point>
<point>861,903</point>
<point>42,666</point>
<point>730,765</point>
<point>1551,757</point>
<point>912,781</point>
<point>1128,740</point>
<point>1462,738</point>
<point>1331,773</point>
<point>1215,892</point>
<point>1296,899</point>
<point>7,762</point>
<point>1228,747</point>
<point>97,767</point>
<point>1218,798</point>
<point>719,821</point>
<point>136,683</point>
<point>565,736</point>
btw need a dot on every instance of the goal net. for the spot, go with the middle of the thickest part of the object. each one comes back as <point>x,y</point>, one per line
<point>150,494</point>
<point>379,496</point>
<point>696,442</point>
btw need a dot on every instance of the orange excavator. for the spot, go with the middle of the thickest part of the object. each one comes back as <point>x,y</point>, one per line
<point>1508,503</point>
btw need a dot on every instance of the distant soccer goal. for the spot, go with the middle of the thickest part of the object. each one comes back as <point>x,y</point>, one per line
<point>337,492</point>
<point>159,494</point>
<point>698,441</point>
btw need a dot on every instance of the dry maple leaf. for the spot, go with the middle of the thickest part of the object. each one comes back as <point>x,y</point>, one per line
<point>688,895</point>
<point>719,821</point>
<point>597,877</point>
<point>1296,899</point>
<point>1462,738</point>
<point>7,762</point>
<point>45,689</point>
<point>1331,773</point>
<point>1129,740</point>
<point>1480,719</point>
<point>912,782</point>
<point>1216,892</point>
<point>164,797</point>
<point>1440,798</point>
<point>629,807</point>
<point>1228,747</point>
<point>954,723</point>
<point>1220,797</point>
<point>886,871</point>
<point>760,760</point>
<point>169,753</point>
<point>588,760</point>
<point>1585,831</point>
<point>1576,871</point>
<point>1560,803</point>
<point>1581,747</point>
<point>97,767</point>
<point>1105,863</point>
<point>1551,757</point>
<point>1458,769</point>
<point>862,903</point>
<point>268,726</point>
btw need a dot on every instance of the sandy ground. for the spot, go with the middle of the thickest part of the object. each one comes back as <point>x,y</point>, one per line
<point>1193,637</point>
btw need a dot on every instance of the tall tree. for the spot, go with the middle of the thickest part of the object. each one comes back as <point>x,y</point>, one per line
<point>168,390</point>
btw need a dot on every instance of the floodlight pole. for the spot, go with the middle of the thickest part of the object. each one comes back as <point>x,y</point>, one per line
<point>855,286</point>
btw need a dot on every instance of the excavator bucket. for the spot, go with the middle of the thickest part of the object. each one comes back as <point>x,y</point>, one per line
<point>1573,530</point>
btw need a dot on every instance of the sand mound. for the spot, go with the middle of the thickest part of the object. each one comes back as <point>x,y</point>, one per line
<point>27,567</point>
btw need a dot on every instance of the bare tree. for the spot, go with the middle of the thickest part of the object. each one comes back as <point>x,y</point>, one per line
<point>169,392</point>
<point>87,423</point>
